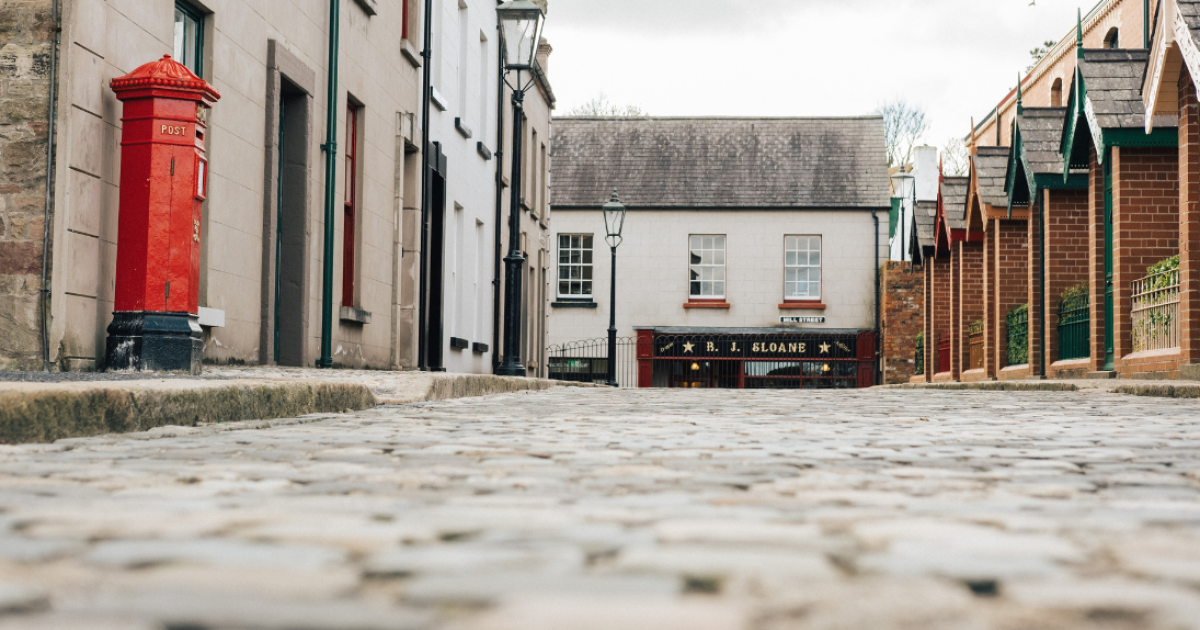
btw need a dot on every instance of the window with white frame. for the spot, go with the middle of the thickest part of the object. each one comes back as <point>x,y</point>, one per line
<point>802,267</point>
<point>575,265</point>
<point>706,266</point>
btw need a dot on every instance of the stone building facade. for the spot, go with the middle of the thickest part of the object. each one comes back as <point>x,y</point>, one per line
<point>26,54</point>
<point>261,260</point>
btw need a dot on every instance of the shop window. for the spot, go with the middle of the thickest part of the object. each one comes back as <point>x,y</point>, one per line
<point>802,268</point>
<point>707,266</point>
<point>189,37</point>
<point>575,265</point>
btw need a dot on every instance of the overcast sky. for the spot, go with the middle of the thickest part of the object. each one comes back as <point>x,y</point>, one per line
<point>957,58</point>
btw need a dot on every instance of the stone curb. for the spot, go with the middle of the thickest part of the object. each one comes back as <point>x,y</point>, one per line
<point>995,386</point>
<point>1161,391</point>
<point>45,412</point>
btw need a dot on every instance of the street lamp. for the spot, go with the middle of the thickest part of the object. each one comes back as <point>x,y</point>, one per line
<point>520,31</point>
<point>903,187</point>
<point>614,222</point>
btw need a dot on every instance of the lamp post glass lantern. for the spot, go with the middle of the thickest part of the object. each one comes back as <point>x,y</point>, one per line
<point>614,223</point>
<point>520,32</point>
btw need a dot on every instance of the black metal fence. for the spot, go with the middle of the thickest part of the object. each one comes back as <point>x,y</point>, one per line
<point>587,361</point>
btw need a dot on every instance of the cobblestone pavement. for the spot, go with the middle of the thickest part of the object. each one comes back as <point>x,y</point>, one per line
<point>595,509</point>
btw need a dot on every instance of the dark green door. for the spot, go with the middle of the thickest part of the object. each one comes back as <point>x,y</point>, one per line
<point>1108,262</point>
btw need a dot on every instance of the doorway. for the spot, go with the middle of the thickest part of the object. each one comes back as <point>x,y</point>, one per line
<point>291,214</point>
<point>435,279</point>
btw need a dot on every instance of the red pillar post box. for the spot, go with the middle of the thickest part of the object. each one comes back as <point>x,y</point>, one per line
<point>164,180</point>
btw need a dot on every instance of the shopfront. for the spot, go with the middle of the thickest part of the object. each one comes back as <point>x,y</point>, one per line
<point>756,358</point>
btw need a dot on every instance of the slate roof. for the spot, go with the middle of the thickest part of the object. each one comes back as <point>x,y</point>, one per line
<point>1113,79</point>
<point>1189,10</point>
<point>954,196</point>
<point>991,166</point>
<point>926,217</point>
<point>1041,136</point>
<point>720,162</point>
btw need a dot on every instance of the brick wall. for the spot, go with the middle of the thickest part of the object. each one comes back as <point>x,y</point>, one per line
<point>1034,284</point>
<point>1189,220</point>
<point>1145,224</point>
<point>1010,287</point>
<point>1066,258</point>
<point>956,326</point>
<point>971,294</point>
<point>940,307</point>
<point>26,33</point>
<point>989,303</point>
<point>1096,280</point>
<point>927,322</point>
<point>903,318</point>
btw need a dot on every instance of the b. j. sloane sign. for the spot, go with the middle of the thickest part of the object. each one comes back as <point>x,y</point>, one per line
<point>755,347</point>
<point>802,320</point>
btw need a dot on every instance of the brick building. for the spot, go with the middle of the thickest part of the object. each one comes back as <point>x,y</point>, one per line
<point>1083,187</point>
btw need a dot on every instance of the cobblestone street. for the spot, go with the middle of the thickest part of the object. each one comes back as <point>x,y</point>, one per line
<point>581,509</point>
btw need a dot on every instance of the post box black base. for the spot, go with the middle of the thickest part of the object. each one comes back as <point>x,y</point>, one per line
<point>154,342</point>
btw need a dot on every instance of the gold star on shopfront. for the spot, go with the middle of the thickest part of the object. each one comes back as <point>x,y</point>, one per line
<point>687,347</point>
<point>824,348</point>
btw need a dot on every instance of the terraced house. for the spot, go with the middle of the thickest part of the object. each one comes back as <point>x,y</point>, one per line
<point>315,238</point>
<point>1083,192</point>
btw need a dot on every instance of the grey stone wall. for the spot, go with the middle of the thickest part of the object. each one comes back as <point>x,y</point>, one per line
<point>26,41</point>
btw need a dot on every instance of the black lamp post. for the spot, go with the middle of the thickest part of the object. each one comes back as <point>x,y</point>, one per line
<point>614,222</point>
<point>520,31</point>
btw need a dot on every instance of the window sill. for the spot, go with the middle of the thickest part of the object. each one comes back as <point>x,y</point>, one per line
<point>574,304</point>
<point>410,53</point>
<point>459,344</point>
<point>437,99</point>
<point>802,305</point>
<point>355,315</point>
<point>463,130</point>
<point>707,304</point>
<point>483,151</point>
<point>370,7</point>
<point>480,348</point>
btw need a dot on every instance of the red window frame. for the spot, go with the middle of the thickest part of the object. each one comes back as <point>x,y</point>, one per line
<point>348,226</point>
<point>404,19</point>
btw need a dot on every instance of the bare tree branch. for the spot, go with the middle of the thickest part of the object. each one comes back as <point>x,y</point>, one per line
<point>955,160</point>
<point>599,105</point>
<point>903,126</point>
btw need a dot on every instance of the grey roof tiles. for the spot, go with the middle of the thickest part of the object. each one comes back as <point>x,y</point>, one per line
<point>1041,136</point>
<point>720,162</point>
<point>926,216</point>
<point>954,196</point>
<point>1113,79</point>
<point>991,166</point>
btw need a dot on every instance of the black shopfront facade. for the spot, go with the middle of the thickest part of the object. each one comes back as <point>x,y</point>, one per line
<point>755,358</point>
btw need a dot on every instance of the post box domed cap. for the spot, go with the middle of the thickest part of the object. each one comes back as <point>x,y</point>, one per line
<point>165,73</point>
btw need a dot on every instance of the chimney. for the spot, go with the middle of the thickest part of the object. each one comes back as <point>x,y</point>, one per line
<point>543,56</point>
<point>925,170</point>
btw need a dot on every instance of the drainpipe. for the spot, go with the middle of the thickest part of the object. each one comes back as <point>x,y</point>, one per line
<point>499,209</point>
<point>878,325</point>
<point>1145,23</point>
<point>50,111</point>
<point>426,91</point>
<point>330,147</point>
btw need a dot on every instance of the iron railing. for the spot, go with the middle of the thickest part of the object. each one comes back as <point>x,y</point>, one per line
<point>1074,327</point>
<point>1155,311</point>
<point>587,361</point>
<point>920,357</point>
<point>1017,328</point>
